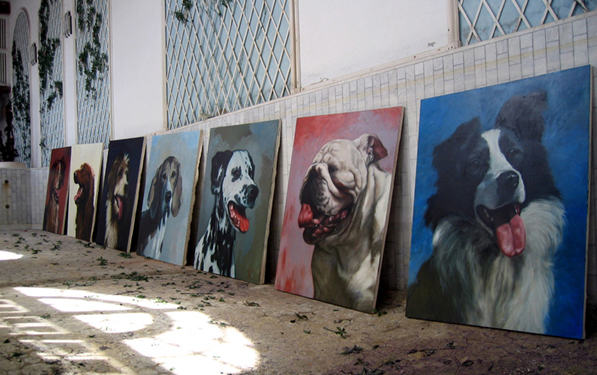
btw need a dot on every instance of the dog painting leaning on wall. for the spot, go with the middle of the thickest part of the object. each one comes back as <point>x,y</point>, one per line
<point>236,200</point>
<point>165,199</point>
<point>501,206</point>
<point>338,205</point>
<point>235,191</point>
<point>168,196</point>
<point>57,191</point>
<point>119,196</point>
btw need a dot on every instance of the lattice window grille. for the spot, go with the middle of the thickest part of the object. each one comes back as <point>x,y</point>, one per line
<point>485,19</point>
<point>93,108</point>
<point>223,59</point>
<point>20,90</point>
<point>51,101</point>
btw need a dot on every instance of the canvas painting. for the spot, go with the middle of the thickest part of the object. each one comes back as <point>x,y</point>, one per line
<point>236,200</point>
<point>84,182</point>
<point>120,192</point>
<point>337,206</point>
<point>499,233</point>
<point>57,192</point>
<point>168,196</point>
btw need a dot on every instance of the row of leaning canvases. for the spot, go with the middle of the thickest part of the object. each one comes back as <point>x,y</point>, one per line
<point>499,234</point>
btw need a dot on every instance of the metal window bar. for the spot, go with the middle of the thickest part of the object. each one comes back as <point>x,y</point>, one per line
<point>477,16</point>
<point>221,62</point>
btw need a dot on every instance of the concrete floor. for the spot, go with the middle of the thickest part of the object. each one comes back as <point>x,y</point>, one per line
<point>69,307</point>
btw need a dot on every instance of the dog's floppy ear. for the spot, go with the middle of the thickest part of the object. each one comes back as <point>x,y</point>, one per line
<point>152,200</point>
<point>443,153</point>
<point>371,146</point>
<point>524,115</point>
<point>177,194</point>
<point>219,163</point>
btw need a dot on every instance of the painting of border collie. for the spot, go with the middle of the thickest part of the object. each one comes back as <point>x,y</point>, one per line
<point>118,201</point>
<point>86,167</point>
<point>236,200</point>
<point>500,218</point>
<point>168,196</point>
<point>338,206</point>
<point>57,192</point>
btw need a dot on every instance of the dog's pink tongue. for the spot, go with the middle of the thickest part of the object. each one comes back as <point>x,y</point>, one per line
<point>306,219</point>
<point>119,202</point>
<point>240,221</point>
<point>511,237</point>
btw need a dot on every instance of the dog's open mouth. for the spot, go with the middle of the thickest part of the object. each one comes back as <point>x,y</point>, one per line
<point>79,193</point>
<point>238,217</point>
<point>118,203</point>
<point>508,227</point>
<point>318,225</point>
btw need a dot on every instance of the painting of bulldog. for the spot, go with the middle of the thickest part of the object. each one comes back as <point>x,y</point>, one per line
<point>337,206</point>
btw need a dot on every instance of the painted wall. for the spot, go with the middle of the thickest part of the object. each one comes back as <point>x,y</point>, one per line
<point>137,67</point>
<point>341,37</point>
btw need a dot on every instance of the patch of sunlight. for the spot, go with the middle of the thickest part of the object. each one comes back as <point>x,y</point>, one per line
<point>197,344</point>
<point>117,323</point>
<point>193,344</point>
<point>7,255</point>
<point>70,293</point>
<point>73,305</point>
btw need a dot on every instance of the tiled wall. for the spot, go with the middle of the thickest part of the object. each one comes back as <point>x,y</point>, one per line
<point>22,196</point>
<point>550,48</point>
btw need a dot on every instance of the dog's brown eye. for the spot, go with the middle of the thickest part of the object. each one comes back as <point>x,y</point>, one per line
<point>173,175</point>
<point>332,169</point>
<point>512,152</point>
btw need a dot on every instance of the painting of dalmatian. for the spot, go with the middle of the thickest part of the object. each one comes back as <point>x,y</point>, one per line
<point>119,197</point>
<point>168,196</point>
<point>337,206</point>
<point>57,192</point>
<point>84,179</point>
<point>236,200</point>
<point>499,235</point>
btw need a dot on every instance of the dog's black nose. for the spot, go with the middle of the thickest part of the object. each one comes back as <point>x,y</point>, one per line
<point>508,180</point>
<point>252,193</point>
<point>168,196</point>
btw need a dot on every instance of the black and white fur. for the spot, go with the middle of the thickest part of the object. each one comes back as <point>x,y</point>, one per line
<point>232,184</point>
<point>165,198</point>
<point>497,220</point>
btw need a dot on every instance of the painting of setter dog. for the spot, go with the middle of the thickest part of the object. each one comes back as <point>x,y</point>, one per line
<point>86,162</point>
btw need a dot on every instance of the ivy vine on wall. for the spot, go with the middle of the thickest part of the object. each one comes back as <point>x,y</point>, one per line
<point>20,104</point>
<point>92,63</point>
<point>45,56</point>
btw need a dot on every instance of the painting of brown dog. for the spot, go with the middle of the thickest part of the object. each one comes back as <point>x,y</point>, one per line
<point>57,192</point>
<point>86,161</point>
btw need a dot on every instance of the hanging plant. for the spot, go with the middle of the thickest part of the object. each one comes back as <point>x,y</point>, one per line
<point>182,14</point>
<point>92,62</point>
<point>46,54</point>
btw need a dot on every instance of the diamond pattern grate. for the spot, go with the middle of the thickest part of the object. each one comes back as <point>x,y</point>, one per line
<point>93,101</point>
<point>222,59</point>
<point>51,102</point>
<point>485,19</point>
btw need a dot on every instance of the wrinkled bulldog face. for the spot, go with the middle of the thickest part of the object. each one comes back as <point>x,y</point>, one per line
<point>333,184</point>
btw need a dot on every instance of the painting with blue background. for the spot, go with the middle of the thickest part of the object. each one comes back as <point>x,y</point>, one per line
<point>567,140</point>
